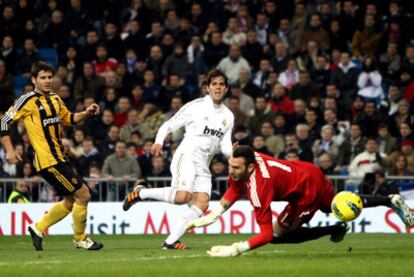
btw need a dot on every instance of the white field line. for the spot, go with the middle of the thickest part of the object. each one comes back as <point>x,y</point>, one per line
<point>136,259</point>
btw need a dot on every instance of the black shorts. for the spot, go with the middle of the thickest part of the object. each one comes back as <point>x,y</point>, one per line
<point>63,178</point>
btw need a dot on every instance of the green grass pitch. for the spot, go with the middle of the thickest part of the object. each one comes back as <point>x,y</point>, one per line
<point>127,255</point>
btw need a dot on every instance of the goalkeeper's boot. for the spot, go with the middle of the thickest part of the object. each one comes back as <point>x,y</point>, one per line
<point>132,198</point>
<point>37,236</point>
<point>88,244</point>
<point>340,231</point>
<point>401,208</point>
<point>178,245</point>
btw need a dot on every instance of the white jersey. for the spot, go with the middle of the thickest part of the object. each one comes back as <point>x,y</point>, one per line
<point>208,130</point>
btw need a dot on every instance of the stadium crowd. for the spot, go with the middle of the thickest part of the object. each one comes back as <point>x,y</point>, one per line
<point>330,82</point>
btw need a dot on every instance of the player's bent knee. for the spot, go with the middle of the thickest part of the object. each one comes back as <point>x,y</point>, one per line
<point>68,202</point>
<point>182,197</point>
<point>82,195</point>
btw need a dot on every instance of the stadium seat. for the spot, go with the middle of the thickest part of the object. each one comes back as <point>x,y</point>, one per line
<point>18,83</point>
<point>49,55</point>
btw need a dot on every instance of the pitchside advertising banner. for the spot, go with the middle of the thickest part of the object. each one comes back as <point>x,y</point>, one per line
<point>159,218</point>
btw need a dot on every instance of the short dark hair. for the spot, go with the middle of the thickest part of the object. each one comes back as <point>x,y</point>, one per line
<point>245,152</point>
<point>41,66</point>
<point>216,73</point>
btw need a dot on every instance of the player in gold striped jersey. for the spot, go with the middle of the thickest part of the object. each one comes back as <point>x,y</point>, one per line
<point>43,112</point>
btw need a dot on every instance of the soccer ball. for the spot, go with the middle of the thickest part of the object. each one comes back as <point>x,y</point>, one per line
<point>346,206</point>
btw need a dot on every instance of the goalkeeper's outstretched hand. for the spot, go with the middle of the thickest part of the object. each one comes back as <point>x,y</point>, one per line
<point>227,251</point>
<point>203,221</point>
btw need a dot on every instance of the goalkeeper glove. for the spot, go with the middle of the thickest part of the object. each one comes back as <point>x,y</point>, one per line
<point>207,219</point>
<point>229,251</point>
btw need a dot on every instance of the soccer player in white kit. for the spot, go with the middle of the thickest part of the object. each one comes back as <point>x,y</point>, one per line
<point>208,126</point>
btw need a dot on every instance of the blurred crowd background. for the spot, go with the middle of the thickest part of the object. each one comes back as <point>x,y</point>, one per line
<point>330,82</point>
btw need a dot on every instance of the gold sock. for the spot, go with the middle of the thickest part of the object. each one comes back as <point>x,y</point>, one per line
<point>55,214</point>
<point>79,214</point>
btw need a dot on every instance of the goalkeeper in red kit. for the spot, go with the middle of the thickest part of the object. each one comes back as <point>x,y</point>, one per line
<point>301,184</point>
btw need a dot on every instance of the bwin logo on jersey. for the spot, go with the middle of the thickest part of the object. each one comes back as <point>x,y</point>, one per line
<point>51,121</point>
<point>216,133</point>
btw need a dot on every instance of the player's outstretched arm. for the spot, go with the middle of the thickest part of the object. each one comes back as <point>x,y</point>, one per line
<point>211,217</point>
<point>90,111</point>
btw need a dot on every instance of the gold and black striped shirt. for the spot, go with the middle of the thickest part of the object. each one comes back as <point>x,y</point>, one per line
<point>42,116</point>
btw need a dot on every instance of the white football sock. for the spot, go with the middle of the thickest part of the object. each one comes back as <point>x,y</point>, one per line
<point>193,213</point>
<point>166,194</point>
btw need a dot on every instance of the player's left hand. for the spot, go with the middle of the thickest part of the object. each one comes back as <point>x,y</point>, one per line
<point>225,251</point>
<point>93,109</point>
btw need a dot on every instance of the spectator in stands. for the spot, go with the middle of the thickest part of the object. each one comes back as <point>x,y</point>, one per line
<point>370,119</point>
<point>159,167</point>
<point>177,63</point>
<point>246,102</point>
<point>9,25</point>
<point>326,164</point>
<point>305,88</point>
<point>185,31</point>
<point>289,77</point>
<point>135,38</point>
<point>292,142</point>
<point>6,88</point>
<point>8,54</point>
<point>113,41</point>
<point>351,147</point>
<point>55,34</point>
<point>195,55</point>
<point>337,36</point>
<point>76,143</point>
<point>25,170</point>
<point>107,146</point>
<point>27,57</point>
<point>316,33</point>
<point>259,145</point>
<point>326,144</point>
<point>292,155</point>
<point>88,53</point>
<point>402,115</point>
<point>90,155</point>
<point>365,42</point>
<point>109,99</point>
<point>103,62</point>
<point>233,35</point>
<point>239,116</point>
<point>345,78</point>
<point>399,166</point>
<point>176,87</point>
<point>233,63</point>
<point>299,115</point>
<point>88,84</point>
<point>387,143</point>
<point>408,59</point>
<point>274,143</point>
<point>215,50</point>
<point>20,193</point>
<point>144,159</point>
<point>121,114</point>
<point>368,161</point>
<point>370,82</point>
<point>261,76</point>
<point>78,22</point>
<point>260,114</point>
<point>311,119</point>
<point>390,61</point>
<point>120,165</point>
<point>152,116</point>
<point>247,85</point>
<point>280,60</point>
<point>375,183</point>
<point>321,73</point>
<point>132,125</point>
<point>392,102</point>
<point>252,49</point>
<point>65,95</point>
<point>280,101</point>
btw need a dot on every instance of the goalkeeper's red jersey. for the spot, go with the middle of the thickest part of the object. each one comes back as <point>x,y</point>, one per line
<point>300,183</point>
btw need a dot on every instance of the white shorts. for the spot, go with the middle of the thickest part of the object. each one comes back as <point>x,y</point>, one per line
<point>188,175</point>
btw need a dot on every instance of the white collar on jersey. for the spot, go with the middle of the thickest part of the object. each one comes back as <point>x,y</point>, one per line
<point>212,104</point>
